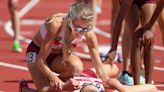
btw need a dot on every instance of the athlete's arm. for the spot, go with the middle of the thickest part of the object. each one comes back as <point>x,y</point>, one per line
<point>125,5</point>
<point>124,8</point>
<point>45,51</point>
<point>92,43</point>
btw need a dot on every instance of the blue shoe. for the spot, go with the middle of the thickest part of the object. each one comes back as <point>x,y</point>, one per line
<point>126,79</point>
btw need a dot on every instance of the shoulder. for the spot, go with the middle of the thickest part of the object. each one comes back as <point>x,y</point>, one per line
<point>54,22</point>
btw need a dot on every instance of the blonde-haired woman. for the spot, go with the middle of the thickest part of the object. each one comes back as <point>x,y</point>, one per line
<point>54,44</point>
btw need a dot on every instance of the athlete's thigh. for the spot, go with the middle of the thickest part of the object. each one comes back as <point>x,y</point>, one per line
<point>72,66</point>
<point>57,64</point>
<point>161,20</point>
<point>147,11</point>
<point>132,18</point>
<point>40,80</point>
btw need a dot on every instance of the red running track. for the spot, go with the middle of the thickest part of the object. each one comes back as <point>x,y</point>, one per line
<point>10,75</point>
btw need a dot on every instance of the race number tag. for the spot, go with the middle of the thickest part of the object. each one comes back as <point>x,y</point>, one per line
<point>31,57</point>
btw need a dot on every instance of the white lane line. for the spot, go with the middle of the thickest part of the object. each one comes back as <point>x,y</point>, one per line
<point>104,33</point>
<point>13,66</point>
<point>108,35</point>
<point>25,68</point>
<point>158,47</point>
<point>32,22</point>
<point>158,68</point>
<point>28,7</point>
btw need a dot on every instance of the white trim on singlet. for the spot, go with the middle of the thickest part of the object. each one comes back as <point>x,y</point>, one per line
<point>43,32</point>
<point>90,81</point>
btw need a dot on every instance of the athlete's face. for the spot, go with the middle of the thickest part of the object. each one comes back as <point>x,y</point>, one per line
<point>80,26</point>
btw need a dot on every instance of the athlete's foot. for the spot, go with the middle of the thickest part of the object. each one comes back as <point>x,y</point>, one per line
<point>126,78</point>
<point>17,47</point>
<point>22,84</point>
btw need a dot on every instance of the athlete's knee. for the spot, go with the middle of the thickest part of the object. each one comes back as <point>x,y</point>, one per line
<point>12,5</point>
<point>76,64</point>
<point>136,41</point>
<point>148,43</point>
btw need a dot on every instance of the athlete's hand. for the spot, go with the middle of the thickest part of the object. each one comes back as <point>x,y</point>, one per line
<point>110,57</point>
<point>71,85</point>
<point>113,83</point>
<point>56,84</point>
<point>147,38</point>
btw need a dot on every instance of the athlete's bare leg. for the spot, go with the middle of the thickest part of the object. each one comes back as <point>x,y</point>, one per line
<point>133,24</point>
<point>126,48</point>
<point>147,11</point>
<point>13,9</point>
<point>161,23</point>
<point>132,20</point>
<point>72,67</point>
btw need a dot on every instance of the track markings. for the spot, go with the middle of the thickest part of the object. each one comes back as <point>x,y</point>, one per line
<point>13,66</point>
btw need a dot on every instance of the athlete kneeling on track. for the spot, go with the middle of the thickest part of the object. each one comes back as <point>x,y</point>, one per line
<point>55,43</point>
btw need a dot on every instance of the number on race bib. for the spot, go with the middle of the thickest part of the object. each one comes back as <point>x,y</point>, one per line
<point>31,56</point>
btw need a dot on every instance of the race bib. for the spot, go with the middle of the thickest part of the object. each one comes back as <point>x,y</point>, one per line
<point>31,57</point>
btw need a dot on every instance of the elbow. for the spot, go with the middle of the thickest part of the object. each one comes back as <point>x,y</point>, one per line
<point>38,62</point>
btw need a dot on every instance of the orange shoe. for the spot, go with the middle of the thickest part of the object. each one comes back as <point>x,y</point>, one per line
<point>22,84</point>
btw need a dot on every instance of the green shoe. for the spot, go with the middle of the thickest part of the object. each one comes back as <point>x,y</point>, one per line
<point>17,47</point>
<point>142,79</point>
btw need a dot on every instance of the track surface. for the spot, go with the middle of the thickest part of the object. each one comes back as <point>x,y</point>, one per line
<point>13,66</point>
